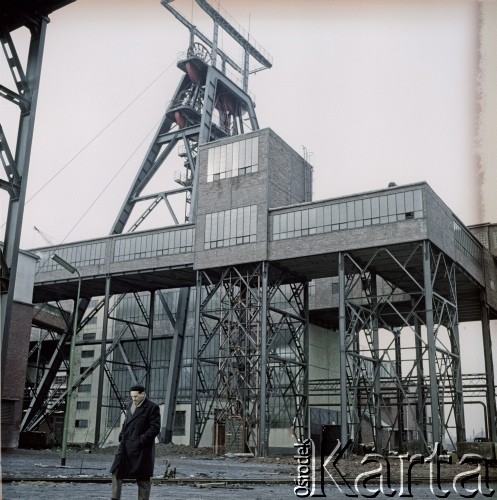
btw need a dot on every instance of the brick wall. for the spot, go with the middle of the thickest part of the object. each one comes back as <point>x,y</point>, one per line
<point>15,373</point>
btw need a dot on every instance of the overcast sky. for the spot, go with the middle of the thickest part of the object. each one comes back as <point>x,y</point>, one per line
<point>376,90</point>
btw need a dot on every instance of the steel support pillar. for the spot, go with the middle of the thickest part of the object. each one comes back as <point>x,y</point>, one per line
<point>101,372</point>
<point>342,326</point>
<point>489,370</point>
<point>263,437</point>
<point>432,353</point>
<point>28,86</point>
<point>176,357</point>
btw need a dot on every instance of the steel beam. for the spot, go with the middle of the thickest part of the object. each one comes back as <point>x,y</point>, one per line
<point>10,250</point>
<point>489,370</point>
<point>176,357</point>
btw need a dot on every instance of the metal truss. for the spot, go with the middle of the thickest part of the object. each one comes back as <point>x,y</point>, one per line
<point>251,360</point>
<point>400,349</point>
<point>16,165</point>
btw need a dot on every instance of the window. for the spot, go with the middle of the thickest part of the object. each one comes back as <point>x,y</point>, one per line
<point>170,242</point>
<point>231,227</point>
<point>84,388</point>
<point>179,425</point>
<point>232,160</point>
<point>91,254</point>
<point>81,424</point>
<point>83,405</point>
<point>348,215</point>
<point>89,335</point>
<point>88,354</point>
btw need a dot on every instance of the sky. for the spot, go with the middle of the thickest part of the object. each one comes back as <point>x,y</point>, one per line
<point>377,91</point>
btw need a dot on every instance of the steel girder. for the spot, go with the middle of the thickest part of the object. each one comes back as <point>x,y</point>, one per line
<point>16,165</point>
<point>386,383</point>
<point>251,354</point>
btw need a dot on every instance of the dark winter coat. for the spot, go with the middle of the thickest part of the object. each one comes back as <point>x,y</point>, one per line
<point>136,453</point>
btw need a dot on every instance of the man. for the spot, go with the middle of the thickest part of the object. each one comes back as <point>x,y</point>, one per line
<point>136,453</point>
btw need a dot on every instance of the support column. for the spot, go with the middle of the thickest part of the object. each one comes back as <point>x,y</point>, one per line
<point>400,394</point>
<point>174,366</point>
<point>420,379</point>
<point>150,341</point>
<point>12,236</point>
<point>378,437</point>
<point>196,345</point>
<point>432,353</point>
<point>101,371</point>
<point>489,369</point>
<point>457,381</point>
<point>263,410</point>
<point>344,432</point>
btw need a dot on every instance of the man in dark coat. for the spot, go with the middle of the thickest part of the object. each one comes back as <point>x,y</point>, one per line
<point>136,453</point>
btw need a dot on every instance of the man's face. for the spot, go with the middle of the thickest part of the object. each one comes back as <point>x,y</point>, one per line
<point>137,397</point>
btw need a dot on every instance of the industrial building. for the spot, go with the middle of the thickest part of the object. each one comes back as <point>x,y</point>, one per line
<point>262,316</point>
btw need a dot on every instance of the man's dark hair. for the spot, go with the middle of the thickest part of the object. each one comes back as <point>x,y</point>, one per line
<point>138,388</point>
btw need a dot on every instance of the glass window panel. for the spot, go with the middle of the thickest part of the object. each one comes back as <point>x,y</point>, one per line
<point>213,228</point>
<point>319,217</point>
<point>241,155</point>
<point>383,206</point>
<point>177,240</point>
<point>248,152</point>
<point>375,207</point>
<point>305,219</point>
<point>255,152</point>
<point>401,206</point>
<point>312,217</point>
<point>239,222</point>
<point>358,210</point>
<point>220,226</point>
<point>232,223</point>
<point>76,257</point>
<point>366,208</point>
<point>350,211</point>
<point>165,241</point>
<point>276,224</point>
<point>409,201</point>
<point>298,220</point>
<point>229,159</point>
<point>236,152</point>
<point>208,224</point>
<point>222,159</point>
<point>246,221</point>
<point>217,161</point>
<point>418,200</point>
<point>284,223</point>
<point>327,215</point>
<point>335,214</point>
<point>343,212</point>
<point>253,219</point>
<point>189,237</point>
<point>392,206</point>
<point>291,225</point>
